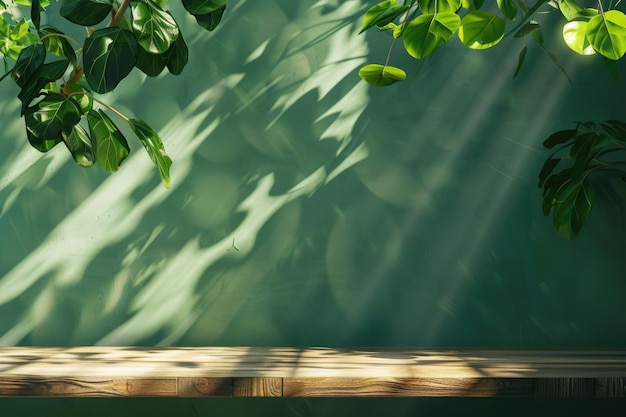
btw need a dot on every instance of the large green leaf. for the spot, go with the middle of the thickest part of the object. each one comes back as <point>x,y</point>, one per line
<point>572,207</point>
<point>55,42</point>
<point>424,34</point>
<point>586,148</point>
<point>155,29</point>
<point>381,75</point>
<point>508,8</point>
<point>86,12</point>
<point>28,62</point>
<point>616,128</point>
<point>575,36</point>
<point>439,6</point>
<point>569,8</point>
<point>150,64</point>
<point>35,13</point>
<point>560,137</point>
<point>49,118</point>
<point>39,79</point>
<point>607,34</point>
<point>199,7</point>
<point>481,30</point>
<point>109,56</point>
<point>547,169</point>
<point>382,13</point>
<point>154,146</point>
<point>211,20</point>
<point>177,56</point>
<point>110,145</point>
<point>80,146</point>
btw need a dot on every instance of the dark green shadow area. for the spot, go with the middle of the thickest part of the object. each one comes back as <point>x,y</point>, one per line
<point>317,407</point>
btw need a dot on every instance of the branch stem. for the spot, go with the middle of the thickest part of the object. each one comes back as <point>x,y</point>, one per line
<point>117,112</point>
<point>60,35</point>
<point>119,14</point>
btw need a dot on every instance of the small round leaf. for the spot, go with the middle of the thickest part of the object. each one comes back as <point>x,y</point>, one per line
<point>481,30</point>
<point>607,34</point>
<point>424,34</point>
<point>380,75</point>
<point>574,35</point>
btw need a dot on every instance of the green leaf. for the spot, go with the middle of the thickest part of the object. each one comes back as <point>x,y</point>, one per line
<point>46,120</point>
<point>520,61</point>
<point>154,146</point>
<point>86,12</point>
<point>211,20</point>
<point>424,34</point>
<point>150,64</point>
<point>481,30</point>
<point>380,75</point>
<point>587,13</point>
<point>84,100</point>
<point>45,74</point>
<point>619,129</point>
<point>57,45</point>
<point>177,56</point>
<point>569,8</point>
<point>586,144</point>
<point>607,34</point>
<point>20,30</point>
<point>200,7</point>
<point>547,169</point>
<point>550,188</point>
<point>154,29</point>
<point>382,14</point>
<point>439,6</point>
<point>508,8</point>
<point>560,137</point>
<point>109,56</point>
<point>80,146</point>
<point>575,36</point>
<point>35,15</point>
<point>572,208</point>
<point>28,62</point>
<point>110,145</point>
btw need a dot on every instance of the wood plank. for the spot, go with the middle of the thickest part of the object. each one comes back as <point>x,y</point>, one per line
<point>245,371</point>
<point>258,387</point>
<point>408,387</point>
<point>86,387</point>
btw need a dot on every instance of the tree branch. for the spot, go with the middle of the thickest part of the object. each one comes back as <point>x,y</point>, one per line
<point>117,18</point>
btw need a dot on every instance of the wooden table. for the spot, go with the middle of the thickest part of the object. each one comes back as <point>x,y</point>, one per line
<point>293,372</point>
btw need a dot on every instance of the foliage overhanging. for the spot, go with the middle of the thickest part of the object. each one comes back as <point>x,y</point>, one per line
<point>59,76</point>
<point>590,28</point>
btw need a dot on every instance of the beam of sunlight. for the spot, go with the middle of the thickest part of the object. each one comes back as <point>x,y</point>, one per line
<point>167,301</point>
<point>347,52</point>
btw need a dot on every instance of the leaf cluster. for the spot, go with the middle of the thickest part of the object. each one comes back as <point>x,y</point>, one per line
<point>581,154</point>
<point>424,26</point>
<point>59,76</point>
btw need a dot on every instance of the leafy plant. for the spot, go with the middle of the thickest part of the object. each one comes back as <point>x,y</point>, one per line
<point>583,154</point>
<point>59,76</point>
<point>424,26</point>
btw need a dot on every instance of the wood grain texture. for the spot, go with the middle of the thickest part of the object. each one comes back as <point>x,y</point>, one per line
<point>269,372</point>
